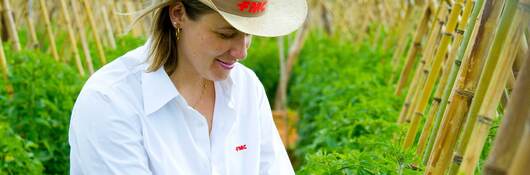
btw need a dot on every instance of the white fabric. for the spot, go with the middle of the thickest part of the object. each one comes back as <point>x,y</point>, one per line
<point>126,121</point>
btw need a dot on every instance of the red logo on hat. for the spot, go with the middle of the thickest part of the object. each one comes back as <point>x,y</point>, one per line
<point>241,148</point>
<point>251,6</point>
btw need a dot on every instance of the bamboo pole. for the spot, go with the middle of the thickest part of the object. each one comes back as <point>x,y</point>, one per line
<point>464,88</point>
<point>468,42</point>
<point>416,47</point>
<point>73,41</point>
<point>489,81</point>
<point>294,51</point>
<point>517,106</point>
<point>425,60</point>
<point>511,129</point>
<point>444,80</point>
<point>49,31</point>
<point>5,70</point>
<point>108,26</point>
<point>11,27</point>
<point>136,31</point>
<point>92,23</point>
<point>402,41</point>
<point>84,44</point>
<point>115,18</point>
<point>31,24</point>
<point>432,73</point>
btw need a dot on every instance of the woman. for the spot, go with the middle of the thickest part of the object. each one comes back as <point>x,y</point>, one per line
<point>182,104</point>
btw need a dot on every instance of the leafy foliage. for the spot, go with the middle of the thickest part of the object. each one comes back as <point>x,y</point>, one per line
<point>36,118</point>
<point>348,111</point>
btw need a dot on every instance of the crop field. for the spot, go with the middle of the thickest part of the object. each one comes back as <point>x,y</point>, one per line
<point>377,87</point>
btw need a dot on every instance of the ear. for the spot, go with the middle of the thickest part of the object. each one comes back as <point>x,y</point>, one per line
<point>177,14</point>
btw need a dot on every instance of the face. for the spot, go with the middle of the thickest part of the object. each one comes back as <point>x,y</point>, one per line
<point>209,46</point>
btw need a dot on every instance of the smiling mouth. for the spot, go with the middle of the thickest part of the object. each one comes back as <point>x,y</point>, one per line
<point>226,65</point>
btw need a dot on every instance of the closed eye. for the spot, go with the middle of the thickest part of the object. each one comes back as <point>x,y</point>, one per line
<point>227,35</point>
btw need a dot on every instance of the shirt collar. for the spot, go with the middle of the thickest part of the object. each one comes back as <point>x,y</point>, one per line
<point>158,90</point>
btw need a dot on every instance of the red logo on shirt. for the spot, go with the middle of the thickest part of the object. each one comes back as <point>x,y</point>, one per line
<point>241,148</point>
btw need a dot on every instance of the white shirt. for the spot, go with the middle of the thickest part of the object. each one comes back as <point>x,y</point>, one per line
<point>126,121</point>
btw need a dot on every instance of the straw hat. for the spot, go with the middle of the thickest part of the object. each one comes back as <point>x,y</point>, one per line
<point>262,17</point>
<point>267,18</point>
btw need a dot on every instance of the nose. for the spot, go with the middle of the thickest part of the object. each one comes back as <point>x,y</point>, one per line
<point>240,46</point>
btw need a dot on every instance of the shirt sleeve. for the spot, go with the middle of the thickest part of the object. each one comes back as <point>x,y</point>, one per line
<point>104,139</point>
<point>274,158</point>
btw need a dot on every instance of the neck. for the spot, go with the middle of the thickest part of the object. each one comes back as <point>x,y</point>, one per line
<point>186,79</point>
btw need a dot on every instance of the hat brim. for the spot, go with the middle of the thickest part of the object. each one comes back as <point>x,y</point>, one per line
<point>281,18</point>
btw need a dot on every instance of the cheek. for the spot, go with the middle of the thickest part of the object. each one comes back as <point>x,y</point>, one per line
<point>213,46</point>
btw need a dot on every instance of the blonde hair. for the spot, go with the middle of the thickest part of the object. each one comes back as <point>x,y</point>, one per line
<point>163,47</point>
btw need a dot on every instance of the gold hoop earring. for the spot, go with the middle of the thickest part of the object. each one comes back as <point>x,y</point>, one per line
<point>178,33</point>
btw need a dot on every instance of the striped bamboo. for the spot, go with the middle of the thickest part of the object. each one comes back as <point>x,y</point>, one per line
<point>5,70</point>
<point>49,31</point>
<point>469,38</point>
<point>432,72</point>
<point>493,82</point>
<point>73,41</point>
<point>425,59</point>
<point>520,57</point>
<point>511,129</point>
<point>31,25</point>
<point>416,47</point>
<point>99,47</point>
<point>404,33</point>
<point>115,18</point>
<point>464,87</point>
<point>136,31</point>
<point>84,43</point>
<point>403,14</point>
<point>521,160</point>
<point>108,26</point>
<point>444,80</point>
<point>11,27</point>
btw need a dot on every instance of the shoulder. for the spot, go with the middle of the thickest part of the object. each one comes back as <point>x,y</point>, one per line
<point>117,83</point>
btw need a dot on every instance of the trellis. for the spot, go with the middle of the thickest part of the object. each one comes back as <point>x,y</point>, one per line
<point>470,72</point>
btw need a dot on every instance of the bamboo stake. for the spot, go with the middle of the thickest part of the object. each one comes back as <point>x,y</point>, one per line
<point>425,60</point>
<point>73,41</point>
<point>294,51</point>
<point>463,89</point>
<point>115,18</point>
<point>84,44</point>
<point>49,31</point>
<point>521,161</point>
<point>488,103</point>
<point>433,72</point>
<point>11,27</point>
<point>470,35</point>
<point>130,9</point>
<point>402,42</point>
<point>511,129</point>
<point>31,27</point>
<point>416,46</point>
<point>92,23</point>
<point>108,26</point>
<point>520,57</point>
<point>444,80</point>
<point>5,70</point>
